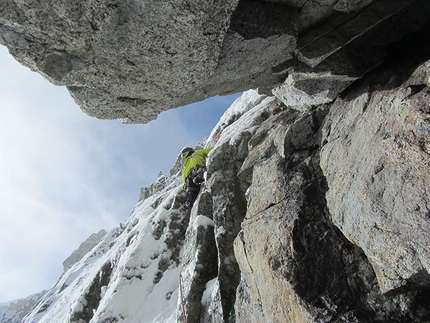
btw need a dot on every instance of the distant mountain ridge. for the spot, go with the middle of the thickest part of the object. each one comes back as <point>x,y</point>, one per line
<point>83,249</point>
<point>14,311</point>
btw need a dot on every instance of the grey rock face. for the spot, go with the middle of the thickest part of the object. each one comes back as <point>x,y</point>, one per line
<point>307,250</point>
<point>376,164</point>
<point>296,266</point>
<point>331,55</point>
<point>315,207</point>
<point>118,58</point>
<point>162,181</point>
<point>200,259</point>
<point>132,60</point>
<point>336,224</point>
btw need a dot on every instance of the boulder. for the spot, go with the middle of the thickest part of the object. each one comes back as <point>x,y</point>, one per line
<point>132,60</point>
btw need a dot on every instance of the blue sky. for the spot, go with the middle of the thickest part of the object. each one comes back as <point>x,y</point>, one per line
<point>64,175</point>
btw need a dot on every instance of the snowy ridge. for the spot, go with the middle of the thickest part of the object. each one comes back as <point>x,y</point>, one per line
<point>83,249</point>
<point>123,269</point>
<point>242,115</point>
<point>14,311</point>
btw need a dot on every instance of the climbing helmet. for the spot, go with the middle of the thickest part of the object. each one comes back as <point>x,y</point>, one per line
<point>187,152</point>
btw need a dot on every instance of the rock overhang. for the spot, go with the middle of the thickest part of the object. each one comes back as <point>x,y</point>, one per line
<point>132,60</point>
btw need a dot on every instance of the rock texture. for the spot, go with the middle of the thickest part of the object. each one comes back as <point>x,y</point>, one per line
<point>132,60</point>
<point>334,230</point>
<point>390,127</point>
<point>316,203</point>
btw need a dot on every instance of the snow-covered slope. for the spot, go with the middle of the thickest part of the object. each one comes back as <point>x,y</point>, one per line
<point>14,311</point>
<point>132,275</point>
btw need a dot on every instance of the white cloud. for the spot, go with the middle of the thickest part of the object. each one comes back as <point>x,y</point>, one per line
<point>64,175</point>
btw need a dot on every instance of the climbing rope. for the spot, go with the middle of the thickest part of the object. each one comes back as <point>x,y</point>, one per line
<point>184,315</point>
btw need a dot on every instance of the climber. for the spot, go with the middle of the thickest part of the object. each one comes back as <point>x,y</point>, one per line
<point>193,168</point>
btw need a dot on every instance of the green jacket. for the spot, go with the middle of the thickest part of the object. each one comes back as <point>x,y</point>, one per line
<point>188,163</point>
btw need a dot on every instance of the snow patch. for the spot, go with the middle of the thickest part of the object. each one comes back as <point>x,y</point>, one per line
<point>220,231</point>
<point>208,291</point>
<point>202,221</point>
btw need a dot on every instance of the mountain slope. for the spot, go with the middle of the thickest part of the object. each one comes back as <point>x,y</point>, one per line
<point>132,275</point>
<point>280,231</point>
<point>14,311</point>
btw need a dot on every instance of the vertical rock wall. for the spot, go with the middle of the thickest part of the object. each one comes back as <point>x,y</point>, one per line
<point>376,161</point>
<point>322,216</point>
